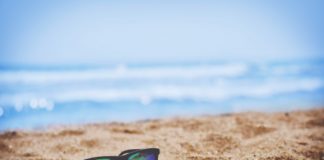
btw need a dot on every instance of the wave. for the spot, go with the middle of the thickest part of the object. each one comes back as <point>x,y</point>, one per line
<point>214,92</point>
<point>123,72</point>
<point>39,89</point>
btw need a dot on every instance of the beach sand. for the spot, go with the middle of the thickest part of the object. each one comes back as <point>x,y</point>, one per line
<point>250,135</point>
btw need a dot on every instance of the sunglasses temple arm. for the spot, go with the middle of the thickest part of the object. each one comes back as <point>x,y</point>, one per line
<point>127,151</point>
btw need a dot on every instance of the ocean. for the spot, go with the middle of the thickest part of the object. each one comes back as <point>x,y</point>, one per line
<point>36,97</point>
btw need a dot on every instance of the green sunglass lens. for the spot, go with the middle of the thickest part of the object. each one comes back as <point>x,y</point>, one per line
<point>142,156</point>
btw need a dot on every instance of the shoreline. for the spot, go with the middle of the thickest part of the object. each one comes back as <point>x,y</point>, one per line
<point>249,135</point>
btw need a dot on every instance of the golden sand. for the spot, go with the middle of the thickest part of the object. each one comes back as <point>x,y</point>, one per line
<point>293,135</point>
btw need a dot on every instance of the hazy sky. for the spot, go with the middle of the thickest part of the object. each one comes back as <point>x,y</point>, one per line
<point>98,32</point>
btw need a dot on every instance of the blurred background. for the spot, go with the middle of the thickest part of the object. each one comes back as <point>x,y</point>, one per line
<point>72,62</point>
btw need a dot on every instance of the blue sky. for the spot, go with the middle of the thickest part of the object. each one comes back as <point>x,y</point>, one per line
<point>100,32</point>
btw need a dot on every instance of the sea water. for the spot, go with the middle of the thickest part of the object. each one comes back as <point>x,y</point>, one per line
<point>33,97</point>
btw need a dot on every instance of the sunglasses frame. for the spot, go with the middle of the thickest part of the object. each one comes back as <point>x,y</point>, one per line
<point>124,155</point>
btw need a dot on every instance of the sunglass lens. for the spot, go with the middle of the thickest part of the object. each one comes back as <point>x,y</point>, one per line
<point>142,156</point>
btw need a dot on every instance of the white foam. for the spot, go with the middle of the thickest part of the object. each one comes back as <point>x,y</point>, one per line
<point>123,72</point>
<point>41,103</point>
<point>218,91</point>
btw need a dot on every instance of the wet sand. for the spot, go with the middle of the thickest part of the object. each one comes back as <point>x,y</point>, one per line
<point>293,135</point>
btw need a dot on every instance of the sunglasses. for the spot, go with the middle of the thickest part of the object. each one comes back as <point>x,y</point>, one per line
<point>133,154</point>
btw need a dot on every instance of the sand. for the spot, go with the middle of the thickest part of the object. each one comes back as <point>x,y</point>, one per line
<point>293,135</point>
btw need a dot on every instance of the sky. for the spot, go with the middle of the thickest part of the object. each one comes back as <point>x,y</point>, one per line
<point>100,32</point>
